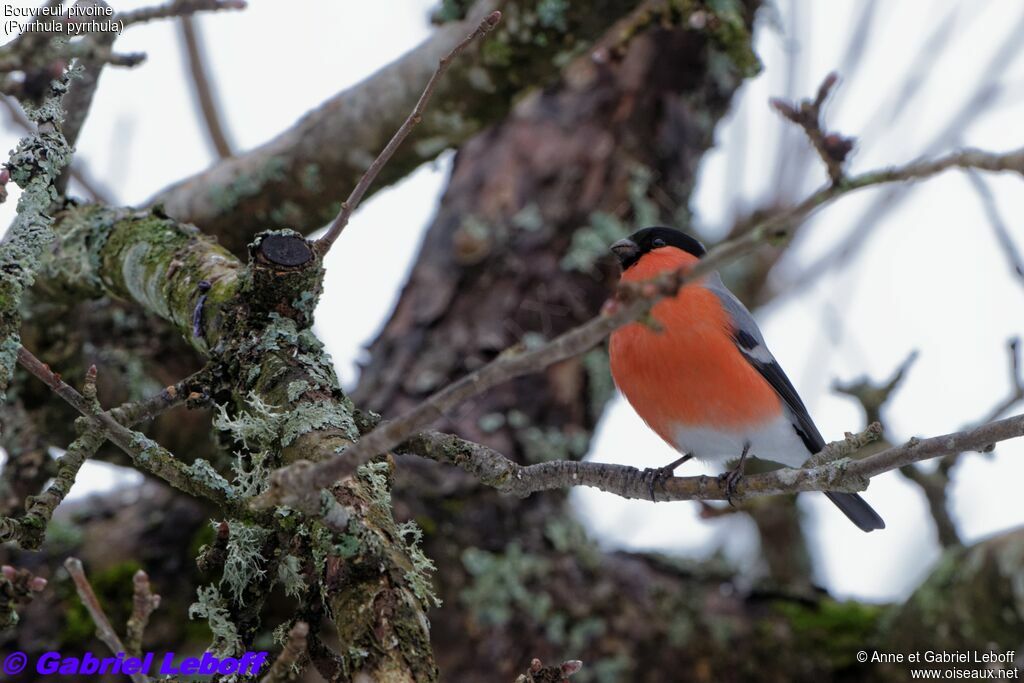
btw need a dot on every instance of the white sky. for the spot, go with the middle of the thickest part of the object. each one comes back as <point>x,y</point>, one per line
<point>931,278</point>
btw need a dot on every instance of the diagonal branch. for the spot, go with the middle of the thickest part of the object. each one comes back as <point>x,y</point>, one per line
<point>104,631</point>
<point>145,454</point>
<point>415,116</point>
<point>283,181</point>
<point>201,86</point>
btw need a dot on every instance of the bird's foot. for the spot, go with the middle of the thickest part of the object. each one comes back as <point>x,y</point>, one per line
<point>730,479</point>
<point>656,476</point>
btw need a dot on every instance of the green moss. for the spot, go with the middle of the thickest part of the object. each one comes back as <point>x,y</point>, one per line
<point>836,629</point>
<point>732,39</point>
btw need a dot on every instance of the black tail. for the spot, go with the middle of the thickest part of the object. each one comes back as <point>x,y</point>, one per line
<point>857,509</point>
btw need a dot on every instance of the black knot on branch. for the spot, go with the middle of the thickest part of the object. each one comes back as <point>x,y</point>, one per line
<point>283,249</point>
<point>284,276</point>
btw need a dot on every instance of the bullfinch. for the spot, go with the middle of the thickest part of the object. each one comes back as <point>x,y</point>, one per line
<point>702,377</point>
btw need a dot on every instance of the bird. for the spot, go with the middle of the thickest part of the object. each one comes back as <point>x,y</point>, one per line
<point>699,373</point>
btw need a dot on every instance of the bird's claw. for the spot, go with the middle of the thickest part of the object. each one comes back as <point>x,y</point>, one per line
<point>657,476</point>
<point>729,481</point>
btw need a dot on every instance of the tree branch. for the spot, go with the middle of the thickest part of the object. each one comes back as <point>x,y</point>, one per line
<point>201,87</point>
<point>177,8</point>
<point>298,484</point>
<point>831,147</point>
<point>832,474</point>
<point>282,182</point>
<point>285,667</point>
<point>144,602</point>
<point>104,631</point>
<point>145,454</point>
<point>415,116</point>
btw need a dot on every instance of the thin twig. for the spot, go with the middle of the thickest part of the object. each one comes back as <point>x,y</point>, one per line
<point>104,631</point>
<point>285,667</point>
<point>301,481</point>
<point>831,147</point>
<point>884,203</point>
<point>146,454</point>
<point>201,87</point>
<point>177,8</point>
<point>874,396</point>
<point>144,602</point>
<point>349,205</point>
<point>29,530</point>
<point>995,219</point>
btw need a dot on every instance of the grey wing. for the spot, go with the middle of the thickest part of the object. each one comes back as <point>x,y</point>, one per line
<point>751,344</point>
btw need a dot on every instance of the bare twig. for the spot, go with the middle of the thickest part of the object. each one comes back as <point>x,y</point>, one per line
<point>872,396</point>
<point>870,220</point>
<point>104,631</point>
<point>995,219</point>
<point>29,530</point>
<point>176,8</point>
<point>303,480</point>
<point>831,147</point>
<point>147,455</point>
<point>78,99</point>
<point>285,667</point>
<point>144,602</point>
<point>349,205</point>
<point>1016,382</point>
<point>201,86</point>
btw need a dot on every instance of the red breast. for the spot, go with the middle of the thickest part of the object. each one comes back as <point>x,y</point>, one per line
<point>689,373</point>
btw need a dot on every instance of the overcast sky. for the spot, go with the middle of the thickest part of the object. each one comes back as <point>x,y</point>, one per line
<point>931,277</point>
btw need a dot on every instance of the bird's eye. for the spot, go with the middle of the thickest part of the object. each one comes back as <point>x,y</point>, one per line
<point>658,242</point>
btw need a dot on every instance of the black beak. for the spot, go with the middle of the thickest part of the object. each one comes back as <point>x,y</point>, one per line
<point>627,251</point>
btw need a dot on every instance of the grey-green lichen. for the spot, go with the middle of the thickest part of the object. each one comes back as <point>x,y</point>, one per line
<point>505,583</point>
<point>590,242</point>
<point>289,575</point>
<point>203,472</point>
<point>309,416</point>
<point>34,165</point>
<point>244,562</point>
<point>297,389</point>
<point>541,444</point>
<point>253,428</point>
<point>422,566</point>
<point>210,605</point>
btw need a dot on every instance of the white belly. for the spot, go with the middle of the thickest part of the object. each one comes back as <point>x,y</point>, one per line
<point>776,441</point>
